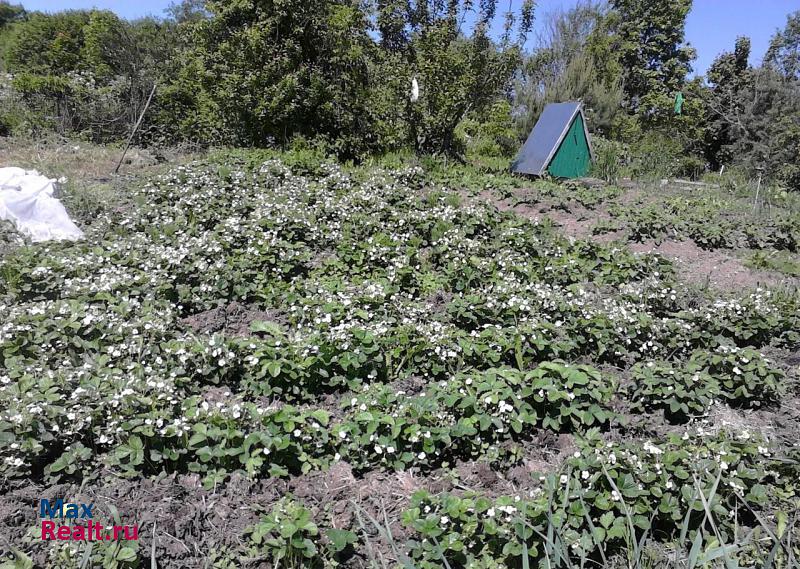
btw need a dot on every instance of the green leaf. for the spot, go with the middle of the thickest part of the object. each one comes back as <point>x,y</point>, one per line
<point>274,368</point>
<point>271,328</point>
<point>599,535</point>
<point>196,439</point>
<point>322,416</point>
<point>20,561</point>
<point>694,553</point>
<point>340,538</point>
<point>126,554</point>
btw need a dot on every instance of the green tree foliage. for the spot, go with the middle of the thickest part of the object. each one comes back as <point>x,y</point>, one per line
<point>645,42</point>
<point>729,76</point>
<point>573,62</point>
<point>104,44</point>
<point>767,130</point>
<point>650,45</point>
<point>274,70</point>
<point>784,49</point>
<point>83,72</point>
<point>187,11</point>
<point>95,42</point>
<point>458,75</point>
<point>182,111</point>
<point>754,113</point>
<point>46,44</point>
<point>489,134</point>
<point>271,72</point>
<point>257,72</point>
<point>10,13</point>
<point>338,75</point>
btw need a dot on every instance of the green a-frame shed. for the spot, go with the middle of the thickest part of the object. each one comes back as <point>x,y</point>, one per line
<point>558,145</point>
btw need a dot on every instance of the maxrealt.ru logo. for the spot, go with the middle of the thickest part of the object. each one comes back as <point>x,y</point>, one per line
<point>76,523</point>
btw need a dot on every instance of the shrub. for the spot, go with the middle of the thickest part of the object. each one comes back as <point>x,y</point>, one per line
<point>493,135</point>
<point>610,159</point>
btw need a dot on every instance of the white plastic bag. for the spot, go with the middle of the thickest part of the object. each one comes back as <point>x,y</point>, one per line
<point>27,200</point>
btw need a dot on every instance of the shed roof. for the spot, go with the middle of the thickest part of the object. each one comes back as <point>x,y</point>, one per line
<point>535,155</point>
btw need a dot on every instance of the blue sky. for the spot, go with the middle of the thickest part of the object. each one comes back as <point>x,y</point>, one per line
<point>712,26</point>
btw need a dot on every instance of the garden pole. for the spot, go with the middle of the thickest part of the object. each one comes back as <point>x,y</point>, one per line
<point>135,128</point>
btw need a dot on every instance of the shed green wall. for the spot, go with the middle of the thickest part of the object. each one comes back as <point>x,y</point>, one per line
<point>572,160</point>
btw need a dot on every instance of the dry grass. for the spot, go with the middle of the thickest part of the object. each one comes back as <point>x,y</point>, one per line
<point>90,184</point>
<point>56,157</point>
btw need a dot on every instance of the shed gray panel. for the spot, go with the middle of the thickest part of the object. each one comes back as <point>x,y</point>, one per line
<point>544,139</point>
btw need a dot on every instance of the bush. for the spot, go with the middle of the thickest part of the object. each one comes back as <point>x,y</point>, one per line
<point>81,73</point>
<point>75,104</point>
<point>492,135</point>
<point>654,156</point>
<point>609,159</point>
<point>691,167</point>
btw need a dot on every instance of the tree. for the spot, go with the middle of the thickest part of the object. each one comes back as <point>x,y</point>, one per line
<point>729,77</point>
<point>187,11</point>
<point>95,41</point>
<point>104,44</point>
<point>573,61</point>
<point>754,114</point>
<point>460,71</point>
<point>10,13</point>
<point>47,44</point>
<point>783,54</point>
<point>85,72</point>
<point>649,38</point>
<point>458,76</point>
<point>274,70</point>
<point>767,129</point>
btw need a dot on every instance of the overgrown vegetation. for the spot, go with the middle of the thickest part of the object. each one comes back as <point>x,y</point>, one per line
<point>338,75</point>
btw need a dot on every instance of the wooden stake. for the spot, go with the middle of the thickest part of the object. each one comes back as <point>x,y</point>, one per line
<point>135,128</point>
<point>758,189</point>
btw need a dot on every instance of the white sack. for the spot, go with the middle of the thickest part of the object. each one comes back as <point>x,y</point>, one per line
<point>26,199</point>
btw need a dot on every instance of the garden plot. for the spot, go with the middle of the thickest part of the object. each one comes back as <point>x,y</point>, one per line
<point>714,238</point>
<point>358,367</point>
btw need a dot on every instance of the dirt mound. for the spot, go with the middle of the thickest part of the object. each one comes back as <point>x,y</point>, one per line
<point>717,268</point>
<point>541,455</point>
<point>233,319</point>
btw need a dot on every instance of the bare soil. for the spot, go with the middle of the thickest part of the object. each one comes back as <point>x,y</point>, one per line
<point>189,523</point>
<point>719,269</point>
<point>232,319</point>
<point>186,520</point>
